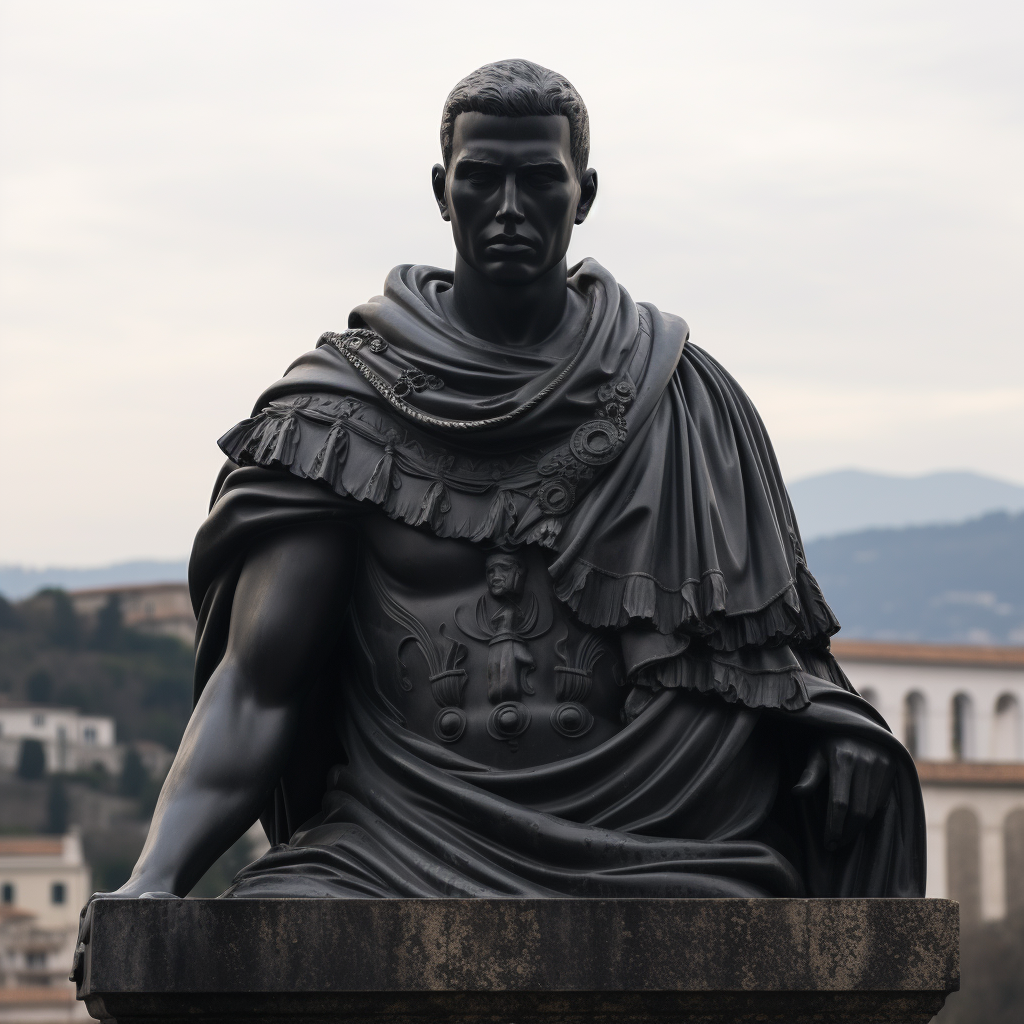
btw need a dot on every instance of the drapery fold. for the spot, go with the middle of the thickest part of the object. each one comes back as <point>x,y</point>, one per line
<point>691,799</point>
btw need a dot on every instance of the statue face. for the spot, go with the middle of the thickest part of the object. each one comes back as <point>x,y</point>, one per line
<point>504,575</point>
<point>511,194</point>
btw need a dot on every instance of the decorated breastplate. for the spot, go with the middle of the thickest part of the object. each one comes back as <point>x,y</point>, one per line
<point>508,658</point>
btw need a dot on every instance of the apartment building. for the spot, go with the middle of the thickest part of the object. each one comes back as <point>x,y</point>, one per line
<point>44,881</point>
<point>162,608</point>
<point>959,711</point>
<point>71,741</point>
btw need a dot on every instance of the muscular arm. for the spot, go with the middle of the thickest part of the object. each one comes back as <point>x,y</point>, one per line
<point>290,593</point>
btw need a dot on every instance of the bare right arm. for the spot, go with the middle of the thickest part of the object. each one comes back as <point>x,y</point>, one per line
<point>290,595</point>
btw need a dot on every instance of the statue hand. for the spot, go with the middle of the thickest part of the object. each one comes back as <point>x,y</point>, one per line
<point>131,890</point>
<point>860,775</point>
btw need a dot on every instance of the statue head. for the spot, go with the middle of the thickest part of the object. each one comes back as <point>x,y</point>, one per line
<point>515,138</point>
<point>505,574</point>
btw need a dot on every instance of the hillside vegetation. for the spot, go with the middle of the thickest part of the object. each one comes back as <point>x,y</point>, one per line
<point>49,656</point>
<point>936,584</point>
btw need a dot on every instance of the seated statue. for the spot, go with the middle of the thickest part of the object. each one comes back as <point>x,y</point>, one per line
<point>501,593</point>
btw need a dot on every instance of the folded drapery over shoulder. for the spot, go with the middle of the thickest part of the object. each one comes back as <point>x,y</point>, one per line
<point>631,454</point>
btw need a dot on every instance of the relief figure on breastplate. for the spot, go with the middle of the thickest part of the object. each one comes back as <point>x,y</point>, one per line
<point>506,620</point>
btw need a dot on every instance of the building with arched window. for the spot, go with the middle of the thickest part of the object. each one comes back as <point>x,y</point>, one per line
<point>1006,731</point>
<point>915,720</point>
<point>959,712</point>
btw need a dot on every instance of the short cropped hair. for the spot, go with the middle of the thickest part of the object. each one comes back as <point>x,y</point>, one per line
<point>519,88</point>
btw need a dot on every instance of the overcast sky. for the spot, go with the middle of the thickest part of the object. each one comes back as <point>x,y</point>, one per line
<point>832,196</point>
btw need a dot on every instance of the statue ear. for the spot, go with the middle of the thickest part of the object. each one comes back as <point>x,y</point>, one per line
<point>588,193</point>
<point>438,179</point>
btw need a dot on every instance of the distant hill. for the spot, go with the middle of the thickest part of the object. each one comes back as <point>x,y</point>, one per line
<point>960,583</point>
<point>849,499</point>
<point>17,582</point>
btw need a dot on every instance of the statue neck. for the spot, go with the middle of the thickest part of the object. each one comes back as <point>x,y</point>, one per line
<point>503,314</point>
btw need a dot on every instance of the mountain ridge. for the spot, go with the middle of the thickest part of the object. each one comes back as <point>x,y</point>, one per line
<point>849,500</point>
<point>960,583</point>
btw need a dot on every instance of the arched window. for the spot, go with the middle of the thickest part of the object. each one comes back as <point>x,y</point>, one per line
<point>963,864</point>
<point>914,724</point>
<point>963,727</point>
<point>870,695</point>
<point>1013,837</point>
<point>1006,729</point>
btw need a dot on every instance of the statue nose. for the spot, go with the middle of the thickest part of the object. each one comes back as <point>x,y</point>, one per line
<point>510,210</point>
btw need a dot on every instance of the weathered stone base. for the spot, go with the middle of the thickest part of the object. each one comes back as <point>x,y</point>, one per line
<point>521,961</point>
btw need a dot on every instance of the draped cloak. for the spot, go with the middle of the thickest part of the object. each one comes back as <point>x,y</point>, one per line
<point>640,464</point>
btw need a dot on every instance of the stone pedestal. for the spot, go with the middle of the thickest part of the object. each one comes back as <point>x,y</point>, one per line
<point>521,961</point>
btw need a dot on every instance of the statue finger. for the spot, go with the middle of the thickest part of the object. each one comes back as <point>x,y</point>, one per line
<point>840,780</point>
<point>84,935</point>
<point>863,800</point>
<point>882,772</point>
<point>813,775</point>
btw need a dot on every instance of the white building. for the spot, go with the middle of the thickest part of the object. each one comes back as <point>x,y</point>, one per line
<point>71,741</point>
<point>44,881</point>
<point>959,711</point>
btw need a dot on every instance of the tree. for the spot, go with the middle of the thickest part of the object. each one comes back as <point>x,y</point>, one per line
<point>109,625</point>
<point>57,809</point>
<point>133,774</point>
<point>8,616</point>
<point>64,623</point>
<point>39,687</point>
<point>31,760</point>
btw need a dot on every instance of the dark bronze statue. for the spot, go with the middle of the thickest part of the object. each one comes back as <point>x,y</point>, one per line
<point>501,593</point>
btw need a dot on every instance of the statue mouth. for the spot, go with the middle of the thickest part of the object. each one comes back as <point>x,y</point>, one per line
<point>514,246</point>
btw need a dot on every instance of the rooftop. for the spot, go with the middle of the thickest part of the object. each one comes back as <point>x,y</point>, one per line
<point>970,773</point>
<point>37,995</point>
<point>966,655</point>
<point>31,846</point>
<point>129,588</point>
<point>6,704</point>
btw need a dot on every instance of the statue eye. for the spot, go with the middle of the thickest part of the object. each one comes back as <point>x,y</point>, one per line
<point>541,179</point>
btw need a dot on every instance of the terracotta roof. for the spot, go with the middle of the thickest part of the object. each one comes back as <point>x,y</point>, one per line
<point>36,995</point>
<point>129,588</point>
<point>30,846</point>
<point>929,654</point>
<point>15,914</point>
<point>6,704</point>
<point>970,773</point>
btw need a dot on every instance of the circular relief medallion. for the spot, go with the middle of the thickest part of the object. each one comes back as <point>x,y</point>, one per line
<point>596,442</point>
<point>508,720</point>
<point>571,719</point>
<point>625,391</point>
<point>449,724</point>
<point>556,496</point>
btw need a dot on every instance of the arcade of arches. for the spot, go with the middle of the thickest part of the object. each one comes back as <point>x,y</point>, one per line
<point>960,712</point>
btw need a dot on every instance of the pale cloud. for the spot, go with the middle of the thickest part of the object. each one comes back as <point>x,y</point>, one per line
<point>192,192</point>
